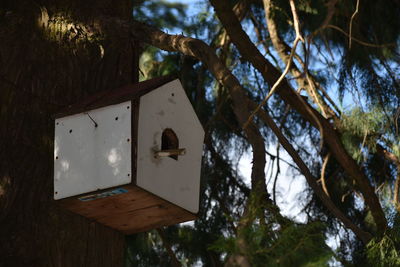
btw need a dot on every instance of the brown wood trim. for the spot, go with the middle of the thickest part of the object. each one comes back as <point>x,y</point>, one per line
<point>134,133</point>
<point>111,97</point>
<point>136,52</point>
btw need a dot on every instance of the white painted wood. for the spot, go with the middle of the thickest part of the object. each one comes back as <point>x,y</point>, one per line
<point>177,181</point>
<point>88,158</point>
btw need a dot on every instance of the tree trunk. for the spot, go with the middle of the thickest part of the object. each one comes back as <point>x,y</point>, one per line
<point>49,58</point>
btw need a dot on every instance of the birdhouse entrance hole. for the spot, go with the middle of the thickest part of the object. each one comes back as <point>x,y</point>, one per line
<point>169,141</point>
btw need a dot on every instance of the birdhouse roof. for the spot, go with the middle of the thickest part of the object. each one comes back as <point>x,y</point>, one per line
<point>110,97</point>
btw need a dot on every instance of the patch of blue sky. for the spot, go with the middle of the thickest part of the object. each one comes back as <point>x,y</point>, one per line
<point>196,11</point>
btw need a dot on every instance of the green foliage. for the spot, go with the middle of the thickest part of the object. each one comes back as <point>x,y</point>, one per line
<point>161,14</point>
<point>146,250</point>
<point>360,130</point>
<point>295,245</point>
<point>361,123</point>
<point>269,244</point>
<point>154,64</point>
<point>301,245</point>
<point>385,252</point>
<point>396,150</point>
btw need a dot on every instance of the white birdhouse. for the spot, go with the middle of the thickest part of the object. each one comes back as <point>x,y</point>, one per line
<point>130,158</point>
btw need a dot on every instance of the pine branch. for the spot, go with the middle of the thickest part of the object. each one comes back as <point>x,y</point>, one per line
<point>311,180</point>
<point>329,135</point>
<point>167,246</point>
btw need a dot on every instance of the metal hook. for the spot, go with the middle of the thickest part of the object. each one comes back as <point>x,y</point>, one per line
<point>95,123</point>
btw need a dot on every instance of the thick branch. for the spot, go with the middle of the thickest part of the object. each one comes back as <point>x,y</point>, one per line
<point>351,22</point>
<point>311,180</point>
<point>167,245</point>
<point>331,11</point>
<point>396,161</point>
<point>250,53</point>
<point>240,10</point>
<point>323,170</point>
<point>201,51</point>
<point>303,81</point>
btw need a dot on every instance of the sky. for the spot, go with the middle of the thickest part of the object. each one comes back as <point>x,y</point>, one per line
<point>288,187</point>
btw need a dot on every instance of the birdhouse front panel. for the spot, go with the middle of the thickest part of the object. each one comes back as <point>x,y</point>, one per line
<point>92,150</point>
<point>170,144</point>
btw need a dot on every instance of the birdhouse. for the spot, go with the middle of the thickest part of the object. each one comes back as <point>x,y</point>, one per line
<point>130,158</point>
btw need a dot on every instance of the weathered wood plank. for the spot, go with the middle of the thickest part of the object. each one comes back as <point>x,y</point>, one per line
<point>134,211</point>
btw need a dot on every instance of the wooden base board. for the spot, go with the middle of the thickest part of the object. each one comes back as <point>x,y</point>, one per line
<point>133,211</point>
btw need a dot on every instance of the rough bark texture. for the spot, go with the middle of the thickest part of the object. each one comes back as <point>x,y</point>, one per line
<point>45,64</point>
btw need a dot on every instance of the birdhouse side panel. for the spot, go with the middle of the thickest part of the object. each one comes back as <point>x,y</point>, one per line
<point>174,178</point>
<point>92,150</point>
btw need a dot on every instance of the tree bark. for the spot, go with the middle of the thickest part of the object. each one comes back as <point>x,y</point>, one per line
<point>396,161</point>
<point>46,64</point>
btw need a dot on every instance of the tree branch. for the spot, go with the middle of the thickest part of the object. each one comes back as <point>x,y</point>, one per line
<point>167,246</point>
<point>201,51</point>
<point>311,180</point>
<point>250,53</point>
<point>278,171</point>
<point>323,170</point>
<point>351,22</point>
<point>396,161</point>
<point>276,84</point>
<point>288,62</point>
<point>303,79</point>
<point>357,40</point>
